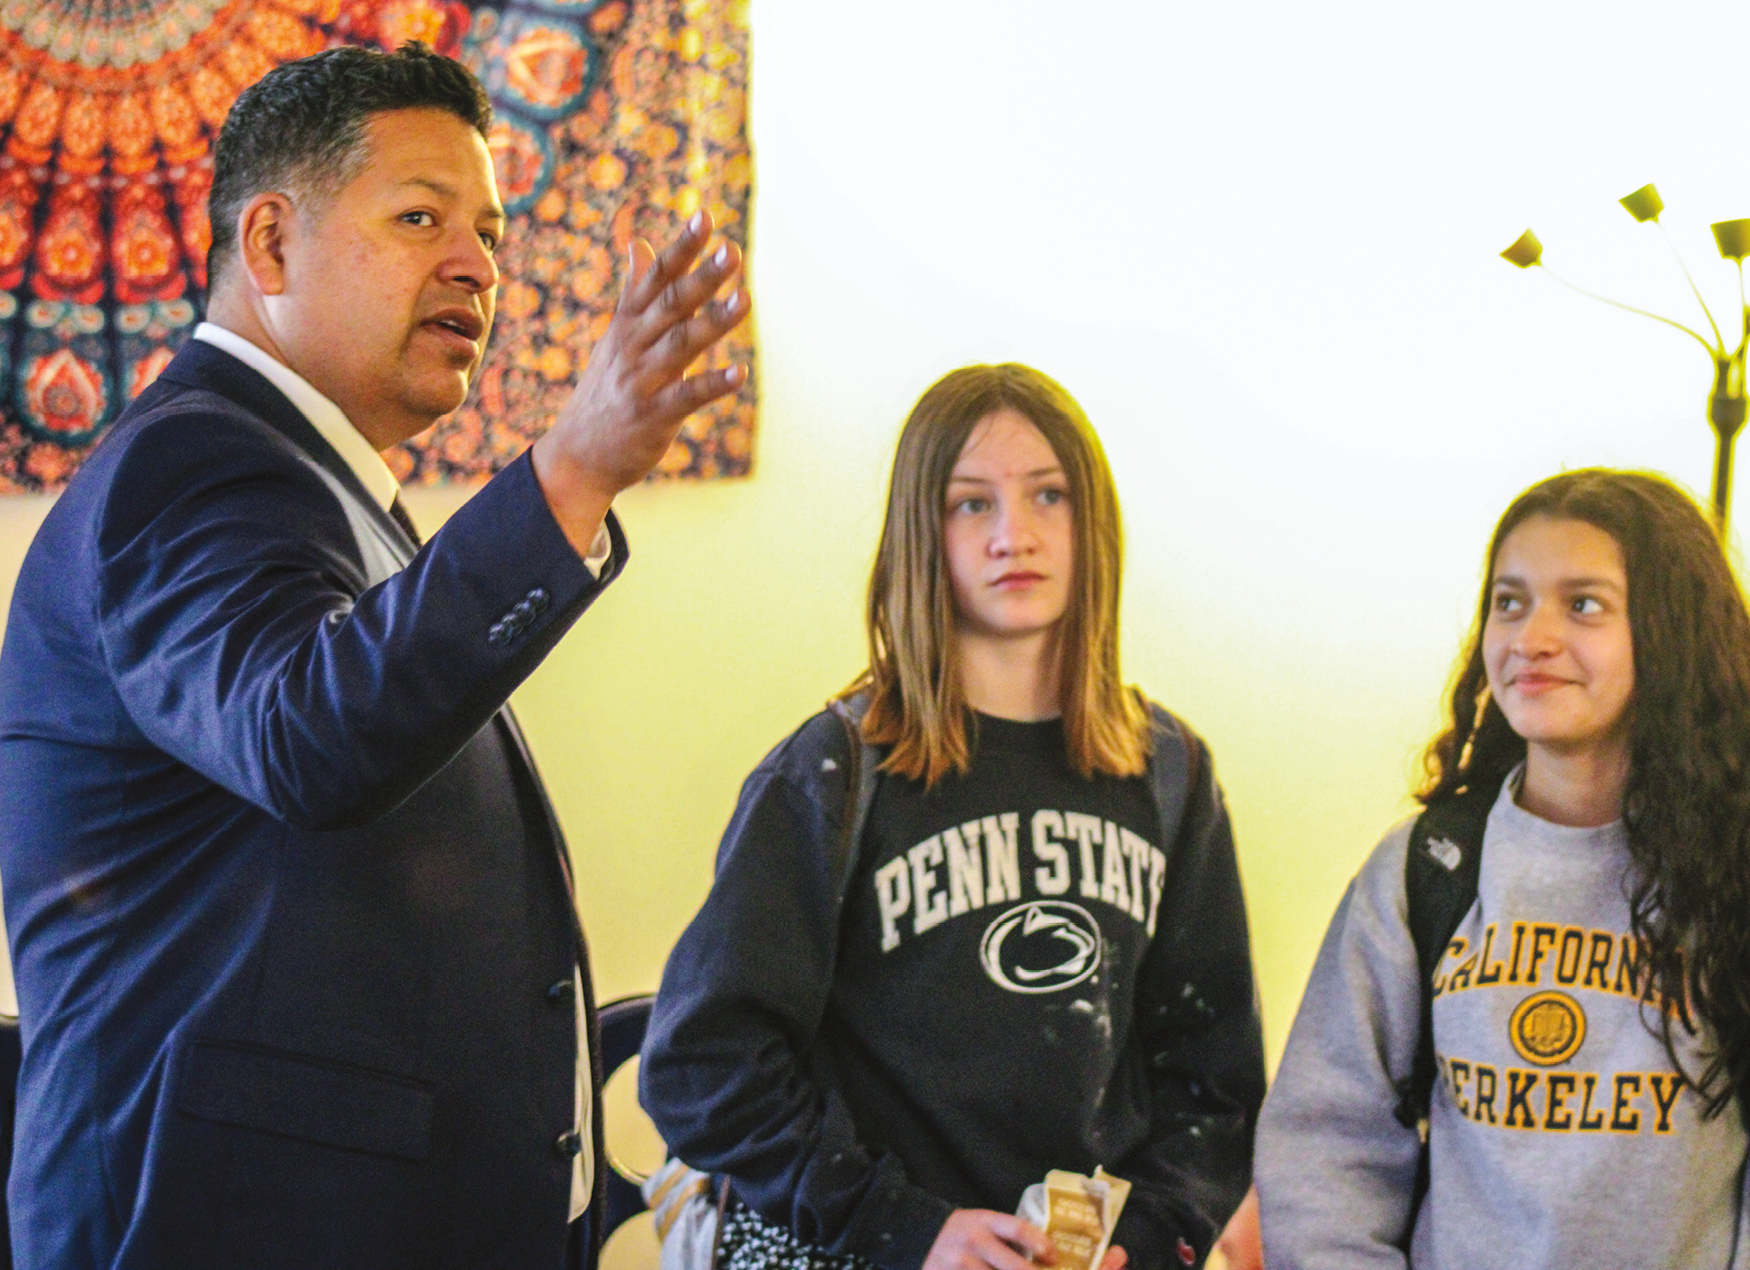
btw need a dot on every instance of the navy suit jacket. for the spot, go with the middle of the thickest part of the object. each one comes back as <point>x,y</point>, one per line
<point>290,916</point>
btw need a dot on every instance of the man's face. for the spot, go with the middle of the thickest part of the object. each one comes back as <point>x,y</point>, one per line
<point>389,283</point>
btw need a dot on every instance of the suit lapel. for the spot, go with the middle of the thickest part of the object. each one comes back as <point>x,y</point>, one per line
<point>201,365</point>
<point>207,367</point>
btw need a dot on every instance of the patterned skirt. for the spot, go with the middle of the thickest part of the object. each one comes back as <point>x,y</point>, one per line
<point>749,1242</point>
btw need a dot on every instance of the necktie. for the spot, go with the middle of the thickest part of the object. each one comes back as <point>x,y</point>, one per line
<point>400,516</point>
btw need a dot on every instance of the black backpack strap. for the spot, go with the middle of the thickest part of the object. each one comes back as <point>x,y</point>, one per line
<point>1441,868</point>
<point>1174,771</point>
<point>861,776</point>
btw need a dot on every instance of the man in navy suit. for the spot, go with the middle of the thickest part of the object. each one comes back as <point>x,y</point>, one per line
<point>299,971</point>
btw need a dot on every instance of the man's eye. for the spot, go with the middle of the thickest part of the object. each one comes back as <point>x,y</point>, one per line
<point>419,218</point>
<point>491,242</point>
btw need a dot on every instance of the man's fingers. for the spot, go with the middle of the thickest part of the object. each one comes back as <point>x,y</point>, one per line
<point>639,258</point>
<point>682,343</point>
<point>679,400</point>
<point>672,262</point>
<point>682,297</point>
<point>675,259</point>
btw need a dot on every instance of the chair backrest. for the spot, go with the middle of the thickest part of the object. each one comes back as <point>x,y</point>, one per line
<point>622,1026</point>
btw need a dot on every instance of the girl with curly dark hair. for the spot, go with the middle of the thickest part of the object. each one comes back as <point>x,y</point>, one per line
<point>1591,1013</point>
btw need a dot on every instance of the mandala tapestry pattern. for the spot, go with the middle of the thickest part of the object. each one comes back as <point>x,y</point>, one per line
<point>612,119</point>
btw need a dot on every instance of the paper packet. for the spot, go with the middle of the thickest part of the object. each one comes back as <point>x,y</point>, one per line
<point>1077,1213</point>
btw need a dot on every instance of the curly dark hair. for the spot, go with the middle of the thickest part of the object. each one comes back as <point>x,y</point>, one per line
<point>302,125</point>
<point>1686,805</point>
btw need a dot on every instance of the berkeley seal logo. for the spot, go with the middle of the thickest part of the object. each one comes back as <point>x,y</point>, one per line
<point>1547,1028</point>
<point>1041,946</point>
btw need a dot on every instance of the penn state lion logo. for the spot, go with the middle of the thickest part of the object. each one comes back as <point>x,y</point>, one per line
<point>1041,946</point>
<point>1547,1028</point>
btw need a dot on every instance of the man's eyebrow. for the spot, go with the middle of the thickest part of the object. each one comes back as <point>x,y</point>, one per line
<point>444,190</point>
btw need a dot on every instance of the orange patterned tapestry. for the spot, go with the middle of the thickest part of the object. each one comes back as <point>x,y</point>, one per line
<point>612,118</point>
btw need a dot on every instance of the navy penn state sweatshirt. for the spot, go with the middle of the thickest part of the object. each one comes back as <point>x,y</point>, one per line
<point>1030,970</point>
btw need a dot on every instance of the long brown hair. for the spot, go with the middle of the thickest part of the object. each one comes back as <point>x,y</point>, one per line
<point>917,703</point>
<point>1686,805</point>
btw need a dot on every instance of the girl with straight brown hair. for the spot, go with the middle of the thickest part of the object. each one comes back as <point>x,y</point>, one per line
<point>981,918</point>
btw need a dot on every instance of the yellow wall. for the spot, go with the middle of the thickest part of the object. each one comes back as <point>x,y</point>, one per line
<point>1259,243</point>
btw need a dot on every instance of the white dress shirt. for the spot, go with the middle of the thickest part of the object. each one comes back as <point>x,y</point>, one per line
<point>374,474</point>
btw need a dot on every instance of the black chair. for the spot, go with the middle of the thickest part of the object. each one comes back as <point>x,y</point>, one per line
<point>11,1054</point>
<point>622,1025</point>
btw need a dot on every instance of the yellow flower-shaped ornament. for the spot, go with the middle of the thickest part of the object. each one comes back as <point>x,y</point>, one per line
<point>1525,252</point>
<point>1644,204</point>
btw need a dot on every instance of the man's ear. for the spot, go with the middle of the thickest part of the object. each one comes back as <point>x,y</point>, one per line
<point>262,229</point>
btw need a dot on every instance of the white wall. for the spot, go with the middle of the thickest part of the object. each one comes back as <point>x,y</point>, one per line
<point>1259,242</point>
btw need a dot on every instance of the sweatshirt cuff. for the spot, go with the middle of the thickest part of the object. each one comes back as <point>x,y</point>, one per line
<point>898,1226</point>
<point>1157,1238</point>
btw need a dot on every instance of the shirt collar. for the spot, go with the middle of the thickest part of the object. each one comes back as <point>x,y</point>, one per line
<point>327,418</point>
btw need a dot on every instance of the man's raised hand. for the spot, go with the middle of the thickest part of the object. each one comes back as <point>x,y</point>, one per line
<point>634,393</point>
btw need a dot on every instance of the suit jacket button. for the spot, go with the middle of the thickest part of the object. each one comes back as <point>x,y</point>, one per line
<point>538,599</point>
<point>560,990</point>
<point>497,635</point>
<point>569,1144</point>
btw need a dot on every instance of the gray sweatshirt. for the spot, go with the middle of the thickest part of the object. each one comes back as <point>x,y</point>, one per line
<point>1560,1134</point>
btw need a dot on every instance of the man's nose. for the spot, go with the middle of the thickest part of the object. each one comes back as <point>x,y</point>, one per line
<point>470,265</point>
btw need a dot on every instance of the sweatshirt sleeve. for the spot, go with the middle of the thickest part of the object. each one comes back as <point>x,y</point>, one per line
<point>1197,1020</point>
<point>1336,1170</point>
<point>726,1073</point>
